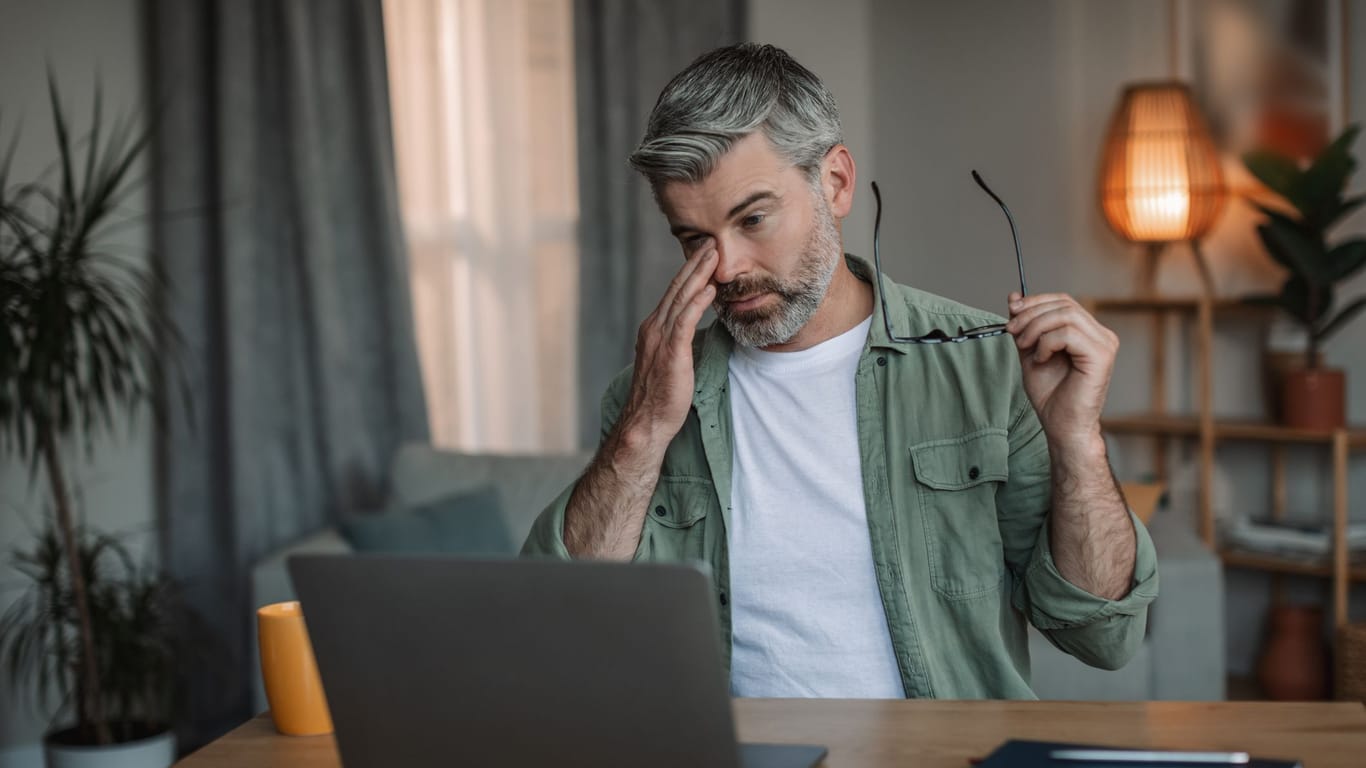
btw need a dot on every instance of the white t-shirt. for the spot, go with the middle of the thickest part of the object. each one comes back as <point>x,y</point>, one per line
<point>806,612</point>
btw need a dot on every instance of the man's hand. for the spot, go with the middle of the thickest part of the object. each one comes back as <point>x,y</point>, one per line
<point>1067,358</point>
<point>607,509</point>
<point>662,380</point>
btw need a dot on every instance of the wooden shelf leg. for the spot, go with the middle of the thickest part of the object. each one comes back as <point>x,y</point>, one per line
<point>1158,386</point>
<point>1340,564</point>
<point>1205,340</point>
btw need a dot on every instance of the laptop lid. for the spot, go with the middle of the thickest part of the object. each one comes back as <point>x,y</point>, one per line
<point>519,662</point>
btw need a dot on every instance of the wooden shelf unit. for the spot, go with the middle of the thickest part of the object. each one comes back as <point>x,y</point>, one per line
<point>1321,567</point>
<point>1203,427</point>
<point>1189,426</point>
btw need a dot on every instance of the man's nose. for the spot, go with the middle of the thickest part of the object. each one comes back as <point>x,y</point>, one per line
<point>732,260</point>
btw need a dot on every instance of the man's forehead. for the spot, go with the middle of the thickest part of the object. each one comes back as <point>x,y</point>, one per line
<point>750,169</point>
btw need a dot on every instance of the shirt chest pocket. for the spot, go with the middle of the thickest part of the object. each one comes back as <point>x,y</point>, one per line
<point>956,483</point>
<point>676,521</point>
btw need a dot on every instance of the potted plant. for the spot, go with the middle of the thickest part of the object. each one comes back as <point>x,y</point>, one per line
<point>132,616</point>
<point>81,342</point>
<point>1312,397</point>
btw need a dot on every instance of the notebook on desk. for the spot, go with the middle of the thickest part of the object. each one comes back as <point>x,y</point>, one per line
<point>1047,754</point>
<point>439,661</point>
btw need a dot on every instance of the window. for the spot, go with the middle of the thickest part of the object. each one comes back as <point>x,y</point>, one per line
<point>482,94</point>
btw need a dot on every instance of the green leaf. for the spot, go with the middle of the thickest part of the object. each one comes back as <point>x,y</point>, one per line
<point>1319,194</point>
<point>1343,317</point>
<point>1277,172</point>
<point>1296,249</point>
<point>1346,258</point>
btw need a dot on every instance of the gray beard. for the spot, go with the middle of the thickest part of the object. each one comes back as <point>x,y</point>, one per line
<point>798,298</point>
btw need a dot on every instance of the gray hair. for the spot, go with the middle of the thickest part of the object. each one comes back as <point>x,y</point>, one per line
<point>724,96</point>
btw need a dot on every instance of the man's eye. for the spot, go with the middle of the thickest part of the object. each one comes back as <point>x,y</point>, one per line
<point>695,241</point>
<point>752,220</point>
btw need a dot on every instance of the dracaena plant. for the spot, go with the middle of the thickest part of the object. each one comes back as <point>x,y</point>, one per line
<point>81,343</point>
<point>132,612</point>
<point>1299,241</point>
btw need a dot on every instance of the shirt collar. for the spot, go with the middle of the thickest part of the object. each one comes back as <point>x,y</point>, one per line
<point>895,307</point>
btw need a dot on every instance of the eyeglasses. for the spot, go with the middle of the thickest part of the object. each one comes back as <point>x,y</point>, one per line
<point>937,336</point>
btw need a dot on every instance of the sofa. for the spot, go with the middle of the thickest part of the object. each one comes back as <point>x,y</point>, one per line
<point>1182,656</point>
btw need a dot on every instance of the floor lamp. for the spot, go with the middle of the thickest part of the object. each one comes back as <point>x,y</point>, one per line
<point>1160,180</point>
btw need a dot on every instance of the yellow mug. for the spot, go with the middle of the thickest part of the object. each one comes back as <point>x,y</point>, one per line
<point>293,688</point>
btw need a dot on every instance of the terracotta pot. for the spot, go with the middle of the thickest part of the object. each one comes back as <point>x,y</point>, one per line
<point>1314,398</point>
<point>1276,365</point>
<point>1294,664</point>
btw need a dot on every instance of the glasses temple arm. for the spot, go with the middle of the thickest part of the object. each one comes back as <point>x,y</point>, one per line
<point>877,262</point>
<point>1014,235</point>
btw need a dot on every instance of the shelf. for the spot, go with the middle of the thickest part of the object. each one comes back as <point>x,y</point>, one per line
<point>1184,304</point>
<point>1299,565</point>
<point>1226,429</point>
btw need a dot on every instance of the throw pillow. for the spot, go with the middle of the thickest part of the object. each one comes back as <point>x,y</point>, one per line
<point>469,523</point>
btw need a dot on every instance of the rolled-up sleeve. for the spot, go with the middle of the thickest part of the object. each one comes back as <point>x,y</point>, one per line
<point>1102,633</point>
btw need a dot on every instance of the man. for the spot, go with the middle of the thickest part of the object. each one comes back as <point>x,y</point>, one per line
<point>881,518</point>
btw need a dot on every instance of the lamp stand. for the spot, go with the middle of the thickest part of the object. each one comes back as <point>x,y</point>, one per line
<point>1206,279</point>
<point>1147,273</point>
<point>1152,255</point>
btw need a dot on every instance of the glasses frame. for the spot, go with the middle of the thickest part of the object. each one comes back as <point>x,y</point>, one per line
<point>937,336</point>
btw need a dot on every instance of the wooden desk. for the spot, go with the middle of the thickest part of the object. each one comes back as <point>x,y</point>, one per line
<point>945,734</point>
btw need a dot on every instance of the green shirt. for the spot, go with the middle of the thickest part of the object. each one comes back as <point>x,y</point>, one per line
<point>957,489</point>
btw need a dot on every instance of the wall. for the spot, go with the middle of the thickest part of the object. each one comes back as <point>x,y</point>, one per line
<point>1022,91</point>
<point>81,39</point>
<point>834,40</point>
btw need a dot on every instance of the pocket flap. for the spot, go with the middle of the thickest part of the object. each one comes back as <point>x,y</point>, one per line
<point>962,462</point>
<point>679,502</point>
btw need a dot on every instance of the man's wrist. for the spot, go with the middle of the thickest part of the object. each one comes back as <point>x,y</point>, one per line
<point>634,454</point>
<point>1080,450</point>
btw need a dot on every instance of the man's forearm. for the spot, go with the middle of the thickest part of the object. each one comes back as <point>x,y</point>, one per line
<point>1092,537</point>
<point>607,509</point>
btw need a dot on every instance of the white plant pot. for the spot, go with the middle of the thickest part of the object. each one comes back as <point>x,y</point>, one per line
<point>153,752</point>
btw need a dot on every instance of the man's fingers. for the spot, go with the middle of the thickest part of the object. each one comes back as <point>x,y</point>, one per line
<point>685,322</point>
<point>1028,326</point>
<point>1034,299</point>
<point>1053,342</point>
<point>706,256</point>
<point>697,280</point>
<point>1021,318</point>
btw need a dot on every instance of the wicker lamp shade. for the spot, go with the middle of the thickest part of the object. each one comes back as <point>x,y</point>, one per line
<point>1160,179</point>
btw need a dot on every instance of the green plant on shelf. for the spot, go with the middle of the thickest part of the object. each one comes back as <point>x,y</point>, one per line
<point>1299,241</point>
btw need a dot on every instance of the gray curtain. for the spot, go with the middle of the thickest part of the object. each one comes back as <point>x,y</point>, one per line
<point>276,222</point>
<point>626,51</point>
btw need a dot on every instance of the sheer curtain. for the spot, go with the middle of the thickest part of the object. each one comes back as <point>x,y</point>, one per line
<point>482,96</point>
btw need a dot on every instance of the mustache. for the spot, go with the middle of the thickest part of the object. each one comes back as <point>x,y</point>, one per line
<point>745,287</point>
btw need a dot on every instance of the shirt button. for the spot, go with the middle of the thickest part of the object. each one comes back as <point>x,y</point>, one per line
<point>882,361</point>
<point>724,601</point>
<point>973,473</point>
<point>660,510</point>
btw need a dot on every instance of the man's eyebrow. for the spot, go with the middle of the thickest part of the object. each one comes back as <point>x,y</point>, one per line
<point>766,194</point>
<point>751,200</point>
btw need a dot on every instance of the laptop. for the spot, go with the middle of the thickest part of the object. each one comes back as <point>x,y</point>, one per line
<point>444,661</point>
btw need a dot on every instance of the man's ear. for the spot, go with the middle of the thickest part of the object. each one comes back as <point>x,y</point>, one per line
<point>838,176</point>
